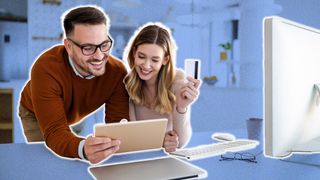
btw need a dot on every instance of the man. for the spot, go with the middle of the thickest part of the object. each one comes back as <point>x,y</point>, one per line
<point>69,82</point>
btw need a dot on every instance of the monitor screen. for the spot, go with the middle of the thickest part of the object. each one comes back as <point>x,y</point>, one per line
<point>291,69</point>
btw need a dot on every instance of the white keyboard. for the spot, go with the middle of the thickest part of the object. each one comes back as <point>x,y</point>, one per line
<point>215,149</point>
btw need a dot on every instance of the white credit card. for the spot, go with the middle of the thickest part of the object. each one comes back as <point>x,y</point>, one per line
<point>192,68</point>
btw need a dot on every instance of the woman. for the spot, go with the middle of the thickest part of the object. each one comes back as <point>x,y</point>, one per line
<point>156,88</point>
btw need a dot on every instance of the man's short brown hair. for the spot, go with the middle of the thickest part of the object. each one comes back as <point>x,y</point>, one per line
<point>83,15</point>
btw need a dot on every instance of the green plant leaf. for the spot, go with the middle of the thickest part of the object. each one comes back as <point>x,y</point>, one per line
<point>226,46</point>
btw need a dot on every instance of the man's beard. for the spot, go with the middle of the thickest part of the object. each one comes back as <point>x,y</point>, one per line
<point>95,72</point>
<point>88,66</point>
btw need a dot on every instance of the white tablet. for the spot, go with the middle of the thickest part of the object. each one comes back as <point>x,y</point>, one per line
<point>135,135</point>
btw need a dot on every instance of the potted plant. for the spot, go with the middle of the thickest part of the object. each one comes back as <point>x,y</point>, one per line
<point>226,51</point>
<point>211,80</point>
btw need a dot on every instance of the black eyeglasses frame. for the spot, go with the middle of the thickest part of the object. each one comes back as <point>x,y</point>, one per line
<point>82,46</point>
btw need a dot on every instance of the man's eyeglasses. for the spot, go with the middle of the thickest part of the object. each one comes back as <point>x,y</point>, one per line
<point>248,157</point>
<point>89,49</point>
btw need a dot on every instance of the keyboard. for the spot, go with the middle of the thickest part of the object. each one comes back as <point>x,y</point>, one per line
<point>215,149</point>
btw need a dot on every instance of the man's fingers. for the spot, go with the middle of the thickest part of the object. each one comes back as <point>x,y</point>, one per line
<point>107,152</point>
<point>98,140</point>
<point>101,147</point>
<point>99,156</point>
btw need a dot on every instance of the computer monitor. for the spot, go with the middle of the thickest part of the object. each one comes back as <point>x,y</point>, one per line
<point>291,101</point>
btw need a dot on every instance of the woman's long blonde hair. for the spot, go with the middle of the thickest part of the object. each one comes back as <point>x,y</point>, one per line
<point>152,33</point>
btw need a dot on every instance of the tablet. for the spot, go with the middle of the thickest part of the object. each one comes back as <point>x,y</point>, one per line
<point>135,135</point>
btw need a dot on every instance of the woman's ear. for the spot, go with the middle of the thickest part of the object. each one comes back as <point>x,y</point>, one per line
<point>166,60</point>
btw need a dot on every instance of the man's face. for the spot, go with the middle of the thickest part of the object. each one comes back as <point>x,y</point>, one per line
<point>85,35</point>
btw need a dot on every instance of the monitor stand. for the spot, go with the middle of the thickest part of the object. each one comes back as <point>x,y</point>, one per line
<point>304,159</point>
<point>312,146</point>
<point>306,154</point>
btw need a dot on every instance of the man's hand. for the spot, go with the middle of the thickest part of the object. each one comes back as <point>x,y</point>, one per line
<point>97,149</point>
<point>171,141</point>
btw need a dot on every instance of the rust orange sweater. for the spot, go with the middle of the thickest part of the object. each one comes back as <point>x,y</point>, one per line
<point>59,98</point>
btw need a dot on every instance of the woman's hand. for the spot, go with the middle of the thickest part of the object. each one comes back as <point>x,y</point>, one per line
<point>171,141</point>
<point>187,94</point>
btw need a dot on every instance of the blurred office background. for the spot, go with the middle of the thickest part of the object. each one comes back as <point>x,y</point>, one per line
<point>200,27</point>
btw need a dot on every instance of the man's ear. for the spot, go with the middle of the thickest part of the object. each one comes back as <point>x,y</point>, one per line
<point>67,45</point>
<point>166,60</point>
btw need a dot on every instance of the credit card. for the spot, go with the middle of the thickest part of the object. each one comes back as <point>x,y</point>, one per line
<point>192,68</point>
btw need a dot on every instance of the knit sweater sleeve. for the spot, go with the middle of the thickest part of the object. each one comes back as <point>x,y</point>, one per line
<point>49,109</point>
<point>117,107</point>
<point>181,121</point>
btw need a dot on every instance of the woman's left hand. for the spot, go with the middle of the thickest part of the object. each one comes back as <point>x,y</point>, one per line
<point>187,94</point>
<point>171,141</point>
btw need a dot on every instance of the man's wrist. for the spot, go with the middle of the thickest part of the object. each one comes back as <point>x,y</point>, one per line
<point>84,153</point>
<point>81,151</point>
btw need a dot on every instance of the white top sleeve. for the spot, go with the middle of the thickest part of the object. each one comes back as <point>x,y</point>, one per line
<point>181,121</point>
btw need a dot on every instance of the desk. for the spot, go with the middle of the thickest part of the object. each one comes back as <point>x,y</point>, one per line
<point>34,161</point>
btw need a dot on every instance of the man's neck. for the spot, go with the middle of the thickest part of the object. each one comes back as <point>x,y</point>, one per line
<point>89,76</point>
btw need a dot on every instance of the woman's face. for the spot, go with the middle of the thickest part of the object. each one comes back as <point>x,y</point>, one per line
<point>148,60</point>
